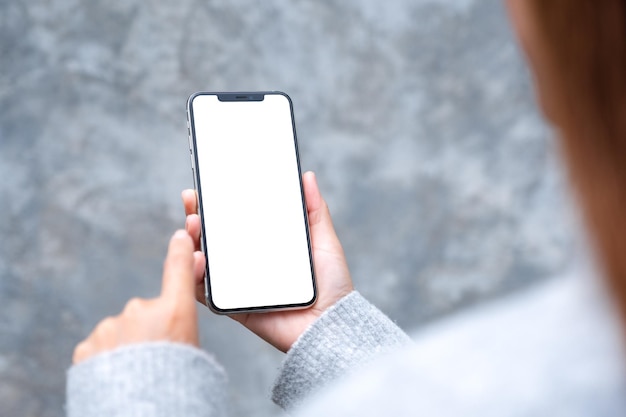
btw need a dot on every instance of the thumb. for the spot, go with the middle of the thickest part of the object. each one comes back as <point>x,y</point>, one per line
<point>320,223</point>
<point>178,278</point>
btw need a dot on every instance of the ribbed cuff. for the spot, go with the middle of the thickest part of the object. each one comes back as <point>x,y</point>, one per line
<point>151,379</point>
<point>347,335</point>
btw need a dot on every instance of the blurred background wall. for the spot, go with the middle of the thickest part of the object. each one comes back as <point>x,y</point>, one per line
<point>418,117</point>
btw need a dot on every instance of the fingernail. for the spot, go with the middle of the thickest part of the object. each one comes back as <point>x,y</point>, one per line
<point>180,234</point>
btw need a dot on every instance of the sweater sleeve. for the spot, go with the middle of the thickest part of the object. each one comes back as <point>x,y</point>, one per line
<point>347,335</point>
<point>151,379</point>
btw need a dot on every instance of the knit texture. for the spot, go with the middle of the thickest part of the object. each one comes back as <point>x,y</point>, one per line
<point>151,379</point>
<point>346,336</point>
<point>553,350</point>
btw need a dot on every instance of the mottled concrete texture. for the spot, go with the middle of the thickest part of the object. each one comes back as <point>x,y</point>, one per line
<point>417,116</point>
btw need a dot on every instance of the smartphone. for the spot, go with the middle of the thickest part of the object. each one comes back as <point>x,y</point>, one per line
<point>255,232</point>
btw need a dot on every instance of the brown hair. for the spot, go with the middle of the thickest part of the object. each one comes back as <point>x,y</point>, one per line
<point>585,42</point>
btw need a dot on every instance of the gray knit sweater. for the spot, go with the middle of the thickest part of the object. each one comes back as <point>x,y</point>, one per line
<point>545,353</point>
<point>166,379</point>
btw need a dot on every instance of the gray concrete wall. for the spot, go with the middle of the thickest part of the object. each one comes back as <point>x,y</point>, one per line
<point>417,116</point>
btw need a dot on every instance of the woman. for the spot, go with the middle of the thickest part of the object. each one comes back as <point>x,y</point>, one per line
<point>146,362</point>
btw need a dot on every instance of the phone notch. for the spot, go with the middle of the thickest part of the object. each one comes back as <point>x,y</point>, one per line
<point>241,97</point>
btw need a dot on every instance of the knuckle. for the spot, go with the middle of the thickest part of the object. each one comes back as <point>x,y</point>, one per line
<point>106,326</point>
<point>134,306</point>
<point>81,352</point>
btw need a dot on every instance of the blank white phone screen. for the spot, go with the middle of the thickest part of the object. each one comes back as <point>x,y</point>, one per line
<point>252,206</point>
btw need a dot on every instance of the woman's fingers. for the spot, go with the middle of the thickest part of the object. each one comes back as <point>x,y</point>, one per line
<point>199,270</point>
<point>172,316</point>
<point>190,201</point>
<point>193,226</point>
<point>199,266</point>
<point>321,224</point>
<point>178,272</point>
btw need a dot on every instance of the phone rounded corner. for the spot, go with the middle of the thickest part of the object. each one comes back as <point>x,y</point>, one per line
<point>282,93</point>
<point>192,97</point>
<point>214,308</point>
<point>313,300</point>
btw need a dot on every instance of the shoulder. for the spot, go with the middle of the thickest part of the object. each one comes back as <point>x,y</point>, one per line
<point>553,350</point>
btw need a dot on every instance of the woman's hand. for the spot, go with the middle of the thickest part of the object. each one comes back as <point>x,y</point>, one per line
<point>172,316</point>
<point>282,328</point>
